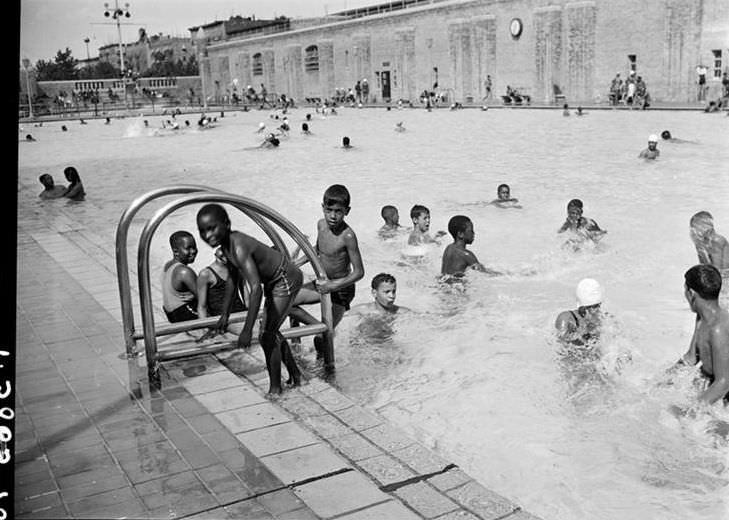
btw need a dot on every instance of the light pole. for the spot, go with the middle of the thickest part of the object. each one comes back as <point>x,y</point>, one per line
<point>86,41</point>
<point>202,81</point>
<point>117,13</point>
<point>26,64</point>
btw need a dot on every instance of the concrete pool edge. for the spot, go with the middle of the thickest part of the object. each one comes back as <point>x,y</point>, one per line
<point>341,460</point>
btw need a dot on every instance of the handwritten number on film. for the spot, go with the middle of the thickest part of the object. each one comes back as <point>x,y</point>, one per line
<point>6,435</point>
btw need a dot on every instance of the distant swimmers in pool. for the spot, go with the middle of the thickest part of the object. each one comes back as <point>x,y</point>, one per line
<point>305,129</point>
<point>392,226</point>
<point>384,292</point>
<point>504,199</point>
<point>399,127</point>
<point>346,143</point>
<point>271,141</point>
<point>107,121</point>
<point>583,228</point>
<point>51,189</point>
<point>75,190</point>
<point>666,136</point>
<point>580,112</point>
<point>652,152</point>
<point>566,110</point>
<point>420,215</point>
<point>30,138</point>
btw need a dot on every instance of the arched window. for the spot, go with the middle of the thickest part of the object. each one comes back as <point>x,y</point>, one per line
<point>257,64</point>
<point>311,58</point>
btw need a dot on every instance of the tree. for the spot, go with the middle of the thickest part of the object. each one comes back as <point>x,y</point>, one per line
<point>63,67</point>
<point>101,70</point>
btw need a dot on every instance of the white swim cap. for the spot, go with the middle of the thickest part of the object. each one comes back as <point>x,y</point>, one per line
<point>588,292</point>
<point>653,138</point>
<point>261,125</point>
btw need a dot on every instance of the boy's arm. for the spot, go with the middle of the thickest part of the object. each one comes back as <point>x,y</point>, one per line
<point>719,338</point>
<point>355,260</point>
<point>564,227</point>
<point>249,271</point>
<point>203,281</point>
<point>73,190</point>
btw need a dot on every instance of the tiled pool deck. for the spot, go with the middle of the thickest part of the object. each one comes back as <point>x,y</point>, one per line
<point>94,441</point>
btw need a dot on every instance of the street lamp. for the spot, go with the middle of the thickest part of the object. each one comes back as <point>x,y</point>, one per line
<point>86,41</point>
<point>117,13</point>
<point>26,65</point>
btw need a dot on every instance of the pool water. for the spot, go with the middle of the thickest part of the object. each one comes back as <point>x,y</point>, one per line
<point>475,372</point>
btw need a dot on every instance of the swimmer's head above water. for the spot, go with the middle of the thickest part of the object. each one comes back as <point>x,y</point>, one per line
<point>503,192</point>
<point>384,290</point>
<point>666,134</point>
<point>390,215</point>
<point>652,141</point>
<point>461,228</point>
<point>420,215</point>
<point>345,142</point>
<point>701,226</point>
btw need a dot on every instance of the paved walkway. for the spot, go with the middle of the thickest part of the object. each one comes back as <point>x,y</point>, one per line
<point>93,441</point>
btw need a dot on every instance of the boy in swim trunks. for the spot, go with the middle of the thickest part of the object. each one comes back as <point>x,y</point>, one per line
<point>268,273</point>
<point>711,248</point>
<point>212,283</point>
<point>710,342</point>
<point>583,227</point>
<point>179,282</point>
<point>420,216</point>
<point>456,258</point>
<point>337,247</point>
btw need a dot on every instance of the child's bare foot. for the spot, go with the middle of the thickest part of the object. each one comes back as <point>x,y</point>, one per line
<point>319,346</point>
<point>294,380</point>
<point>275,391</point>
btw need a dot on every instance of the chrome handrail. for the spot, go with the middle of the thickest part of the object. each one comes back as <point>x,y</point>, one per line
<point>243,204</point>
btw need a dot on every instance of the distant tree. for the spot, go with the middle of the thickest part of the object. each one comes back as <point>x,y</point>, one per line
<point>101,70</point>
<point>63,67</point>
<point>164,65</point>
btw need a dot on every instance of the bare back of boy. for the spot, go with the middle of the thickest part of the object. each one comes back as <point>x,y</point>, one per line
<point>711,346</point>
<point>243,247</point>
<point>457,260</point>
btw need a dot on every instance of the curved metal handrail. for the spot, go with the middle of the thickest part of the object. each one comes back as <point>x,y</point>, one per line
<point>122,264</point>
<point>242,203</point>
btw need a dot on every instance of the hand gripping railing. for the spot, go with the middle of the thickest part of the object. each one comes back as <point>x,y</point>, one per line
<point>247,206</point>
<point>122,264</point>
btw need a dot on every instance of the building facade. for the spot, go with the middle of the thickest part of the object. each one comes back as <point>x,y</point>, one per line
<point>536,46</point>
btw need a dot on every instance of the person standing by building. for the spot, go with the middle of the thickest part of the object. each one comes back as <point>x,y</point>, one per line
<point>358,91</point>
<point>365,90</point>
<point>487,87</point>
<point>701,72</point>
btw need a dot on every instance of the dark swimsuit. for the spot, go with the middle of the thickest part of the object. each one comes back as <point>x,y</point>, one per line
<point>216,295</point>
<point>344,296</point>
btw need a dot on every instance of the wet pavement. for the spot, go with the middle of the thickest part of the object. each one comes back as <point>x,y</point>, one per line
<point>95,440</point>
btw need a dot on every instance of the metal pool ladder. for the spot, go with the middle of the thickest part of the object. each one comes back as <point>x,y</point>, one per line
<point>261,215</point>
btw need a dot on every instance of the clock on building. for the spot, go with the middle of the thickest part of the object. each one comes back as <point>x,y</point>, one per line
<point>515,27</point>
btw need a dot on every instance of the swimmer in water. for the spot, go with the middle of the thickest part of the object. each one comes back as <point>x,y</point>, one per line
<point>666,136</point>
<point>81,121</point>
<point>456,257</point>
<point>384,292</point>
<point>271,141</point>
<point>51,190</point>
<point>64,128</point>
<point>108,121</point>
<point>392,222</point>
<point>420,215</point>
<point>261,127</point>
<point>345,143</point>
<point>710,342</point>
<point>582,326</point>
<point>580,112</point>
<point>305,129</point>
<point>146,124</point>
<point>504,198</point>
<point>584,228</point>
<point>30,138</point>
<point>565,110</point>
<point>711,248</point>
<point>652,152</point>
<point>399,127</point>
<point>308,117</point>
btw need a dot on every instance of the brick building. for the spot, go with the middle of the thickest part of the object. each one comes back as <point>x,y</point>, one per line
<point>537,46</point>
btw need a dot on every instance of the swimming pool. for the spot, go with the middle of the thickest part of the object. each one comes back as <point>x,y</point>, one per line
<point>475,374</point>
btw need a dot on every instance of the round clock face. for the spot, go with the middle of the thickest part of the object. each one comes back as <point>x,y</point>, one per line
<point>515,27</point>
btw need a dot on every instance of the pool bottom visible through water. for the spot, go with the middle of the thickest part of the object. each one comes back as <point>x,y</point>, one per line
<point>476,373</point>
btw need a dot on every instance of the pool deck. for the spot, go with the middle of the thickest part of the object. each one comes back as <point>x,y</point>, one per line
<point>93,440</point>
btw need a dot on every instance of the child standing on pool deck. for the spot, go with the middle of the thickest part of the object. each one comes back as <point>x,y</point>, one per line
<point>420,216</point>
<point>268,273</point>
<point>337,247</point>
<point>179,282</point>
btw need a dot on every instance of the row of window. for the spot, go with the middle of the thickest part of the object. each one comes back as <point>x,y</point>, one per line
<point>311,61</point>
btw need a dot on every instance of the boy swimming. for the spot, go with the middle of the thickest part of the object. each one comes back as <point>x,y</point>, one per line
<point>268,273</point>
<point>456,257</point>
<point>392,226</point>
<point>504,198</point>
<point>652,152</point>
<point>51,190</point>
<point>711,248</point>
<point>384,292</point>
<point>420,215</point>
<point>179,282</point>
<point>582,326</point>
<point>584,228</point>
